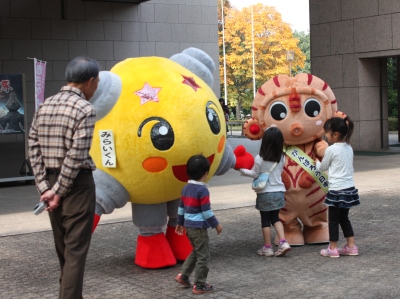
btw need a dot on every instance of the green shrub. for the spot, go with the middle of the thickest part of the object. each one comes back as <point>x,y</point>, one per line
<point>393,123</point>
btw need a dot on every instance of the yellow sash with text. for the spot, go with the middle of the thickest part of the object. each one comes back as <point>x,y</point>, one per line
<point>305,162</point>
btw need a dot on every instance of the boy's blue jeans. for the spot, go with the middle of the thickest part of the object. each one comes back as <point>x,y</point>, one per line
<point>199,257</point>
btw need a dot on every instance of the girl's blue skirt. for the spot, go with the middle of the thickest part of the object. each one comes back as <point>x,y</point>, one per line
<point>342,199</point>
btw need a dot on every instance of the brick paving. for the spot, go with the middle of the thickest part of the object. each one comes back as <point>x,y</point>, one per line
<point>29,266</point>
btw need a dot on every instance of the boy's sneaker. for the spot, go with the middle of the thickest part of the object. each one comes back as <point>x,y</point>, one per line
<point>201,289</point>
<point>266,251</point>
<point>183,280</point>
<point>346,250</point>
<point>330,252</point>
<point>282,249</point>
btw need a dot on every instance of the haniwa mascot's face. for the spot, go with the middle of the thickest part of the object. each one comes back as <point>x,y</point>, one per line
<point>298,106</point>
<point>163,116</point>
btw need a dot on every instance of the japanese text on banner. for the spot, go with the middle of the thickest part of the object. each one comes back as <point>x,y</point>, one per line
<point>40,78</point>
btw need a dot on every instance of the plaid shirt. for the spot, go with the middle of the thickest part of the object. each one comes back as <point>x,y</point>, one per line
<point>60,138</point>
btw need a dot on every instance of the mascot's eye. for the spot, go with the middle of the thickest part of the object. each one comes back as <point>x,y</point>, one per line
<point>212,119</point>
<point>162,135</point>
<point>278,111</point>
<point>312,107</point>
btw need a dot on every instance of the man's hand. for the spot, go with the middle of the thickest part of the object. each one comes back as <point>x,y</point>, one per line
<point>218,229</point>
<point>179,229</point>
<point>52,199</point>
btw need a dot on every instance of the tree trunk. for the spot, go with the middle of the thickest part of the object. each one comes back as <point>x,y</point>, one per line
<point>238,111</point>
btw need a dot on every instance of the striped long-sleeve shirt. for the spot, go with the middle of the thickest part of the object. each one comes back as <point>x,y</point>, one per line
<point>60,138</point>
<point>194,208</point>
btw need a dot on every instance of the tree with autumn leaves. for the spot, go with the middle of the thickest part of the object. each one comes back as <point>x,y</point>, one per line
<point>272,39</point>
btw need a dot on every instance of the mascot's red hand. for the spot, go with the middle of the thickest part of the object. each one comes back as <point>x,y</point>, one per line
<point>252,129</point>
<point>243,158</point>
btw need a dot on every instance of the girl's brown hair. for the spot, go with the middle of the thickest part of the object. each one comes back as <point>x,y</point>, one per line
<point>272,145</point>
<point>344,126</point>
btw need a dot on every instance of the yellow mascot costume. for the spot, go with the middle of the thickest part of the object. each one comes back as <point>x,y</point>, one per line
<point>153,114</point>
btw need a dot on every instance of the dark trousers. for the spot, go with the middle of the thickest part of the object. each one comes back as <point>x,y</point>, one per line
<point>199,257</point>
<point>269,217</point>
<point>72,230</point>
<point>339,217</point>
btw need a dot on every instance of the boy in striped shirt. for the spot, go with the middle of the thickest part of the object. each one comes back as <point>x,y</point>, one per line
<point>195,215</point>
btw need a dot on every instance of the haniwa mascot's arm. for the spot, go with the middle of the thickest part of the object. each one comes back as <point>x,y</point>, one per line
<point>322,145</point>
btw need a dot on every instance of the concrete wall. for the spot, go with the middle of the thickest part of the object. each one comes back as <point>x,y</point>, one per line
<point>349,38</point>
<point>108,32</point>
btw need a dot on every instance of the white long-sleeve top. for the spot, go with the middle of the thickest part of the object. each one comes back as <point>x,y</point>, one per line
<point>338,159</point>
<point>274,183</point>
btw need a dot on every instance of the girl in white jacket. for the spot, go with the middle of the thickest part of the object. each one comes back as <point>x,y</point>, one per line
<point>270,199</point>
<point>342,194</point>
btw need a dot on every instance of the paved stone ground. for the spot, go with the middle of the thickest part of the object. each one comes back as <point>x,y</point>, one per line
<point>29,266</point>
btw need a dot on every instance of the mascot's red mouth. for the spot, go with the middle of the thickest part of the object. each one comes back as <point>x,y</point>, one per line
<point>180,170</point>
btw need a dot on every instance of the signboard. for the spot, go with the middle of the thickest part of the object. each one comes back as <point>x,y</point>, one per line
<point>109,158</point>
<point>13,122</point>
<point>12,111</point>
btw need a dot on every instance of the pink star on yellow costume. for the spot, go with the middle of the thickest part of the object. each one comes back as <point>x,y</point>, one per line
<point>148,94</point>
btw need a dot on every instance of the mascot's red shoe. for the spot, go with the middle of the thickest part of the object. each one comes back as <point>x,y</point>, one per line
<point>154,252</point>
<point>180,245</point>
<point>95,222</point>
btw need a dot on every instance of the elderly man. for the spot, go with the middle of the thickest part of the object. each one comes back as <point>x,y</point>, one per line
<point>59,141</point>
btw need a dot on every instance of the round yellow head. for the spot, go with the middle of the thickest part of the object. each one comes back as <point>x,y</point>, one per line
<point>164,115</point>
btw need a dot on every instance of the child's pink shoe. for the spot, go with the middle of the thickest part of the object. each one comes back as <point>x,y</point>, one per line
<point>330,252</point>
<point>346,250</point>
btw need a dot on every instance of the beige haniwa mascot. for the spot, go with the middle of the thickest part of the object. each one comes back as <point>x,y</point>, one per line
<point>299,107</point>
